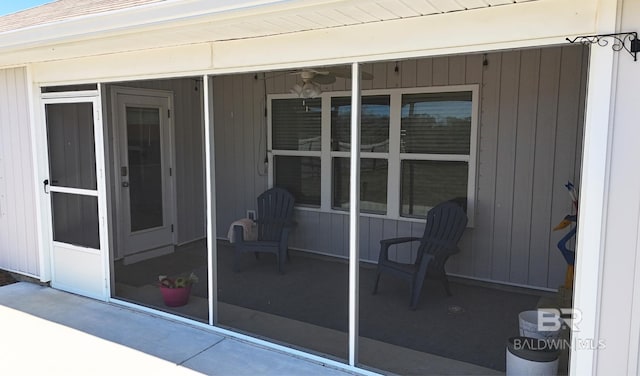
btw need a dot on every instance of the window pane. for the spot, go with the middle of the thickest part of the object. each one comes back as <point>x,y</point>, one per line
<point>300,176</point>
<point>145,168</point>
<point>72,157</point>
<point>436,123</point>
<point>75,219</point>
<point>373,184</point>
<point>374,134</point>
<point>296,124</point>
<point>59,89</point>
<point>428,183</point>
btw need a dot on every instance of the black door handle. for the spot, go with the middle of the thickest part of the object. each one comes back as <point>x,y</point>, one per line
<point>45,183</point>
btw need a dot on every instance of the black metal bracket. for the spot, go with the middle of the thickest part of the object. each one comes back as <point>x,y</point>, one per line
<point>619,42</point>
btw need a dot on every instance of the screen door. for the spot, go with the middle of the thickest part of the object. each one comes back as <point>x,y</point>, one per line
<point>75,187</point>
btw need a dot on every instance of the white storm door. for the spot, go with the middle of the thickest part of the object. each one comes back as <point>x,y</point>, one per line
<point>146,208</point>
<point>76,190</point>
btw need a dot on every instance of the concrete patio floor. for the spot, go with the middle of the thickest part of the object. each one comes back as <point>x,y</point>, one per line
<point>48,331</point>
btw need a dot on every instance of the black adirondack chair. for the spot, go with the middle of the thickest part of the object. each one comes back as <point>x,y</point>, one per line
<point>445,224</point>
<point>275,213</point>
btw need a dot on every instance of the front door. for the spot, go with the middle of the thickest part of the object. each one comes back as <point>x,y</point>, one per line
<point>145,175</point>
<point>76,189</point>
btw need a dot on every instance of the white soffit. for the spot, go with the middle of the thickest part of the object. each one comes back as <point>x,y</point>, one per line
<point>172,23</point>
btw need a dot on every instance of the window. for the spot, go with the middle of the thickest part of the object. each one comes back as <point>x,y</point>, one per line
<point>295,135</point>
<point>435,134</point>
<point>417,149</point>
<point>374,145</point>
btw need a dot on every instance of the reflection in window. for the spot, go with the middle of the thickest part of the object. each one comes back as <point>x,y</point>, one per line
<point>428,183</point>
<point>296,124</point>
<point>144,151</point>
<point>436,123</point>
<point>374,119</point>
<point>300,176</point>
<point>373,184</point>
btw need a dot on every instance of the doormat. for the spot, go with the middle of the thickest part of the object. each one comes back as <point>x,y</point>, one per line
<point>6,278</point>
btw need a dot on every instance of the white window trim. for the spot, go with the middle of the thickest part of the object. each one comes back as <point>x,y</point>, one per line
<point>393,156</point>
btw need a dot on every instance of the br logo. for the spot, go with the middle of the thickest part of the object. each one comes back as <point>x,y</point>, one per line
<point>554,319</point>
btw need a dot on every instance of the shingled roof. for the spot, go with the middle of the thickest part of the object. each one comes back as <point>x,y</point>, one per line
<point>62,10</point>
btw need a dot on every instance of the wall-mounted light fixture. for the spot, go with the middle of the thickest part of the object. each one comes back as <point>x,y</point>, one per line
<point>620,41</point>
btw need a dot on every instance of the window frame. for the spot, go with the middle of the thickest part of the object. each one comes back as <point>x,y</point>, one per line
<point>393,157</point>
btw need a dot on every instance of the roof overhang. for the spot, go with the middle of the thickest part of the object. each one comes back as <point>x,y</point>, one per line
<point>282,33</point>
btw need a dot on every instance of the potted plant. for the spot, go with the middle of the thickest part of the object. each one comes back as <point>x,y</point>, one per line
<point>175,291</point>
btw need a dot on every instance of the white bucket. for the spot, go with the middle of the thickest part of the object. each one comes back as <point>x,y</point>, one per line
<point>540,324</point>
<point>528,357</point>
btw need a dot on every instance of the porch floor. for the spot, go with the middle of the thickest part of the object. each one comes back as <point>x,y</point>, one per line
<point>306,307</point>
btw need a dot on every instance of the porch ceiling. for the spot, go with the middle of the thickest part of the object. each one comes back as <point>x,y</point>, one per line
<point>334,14</point>
<point>144,24</point>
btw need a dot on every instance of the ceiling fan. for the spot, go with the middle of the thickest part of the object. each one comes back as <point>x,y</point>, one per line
<point>312,79</point>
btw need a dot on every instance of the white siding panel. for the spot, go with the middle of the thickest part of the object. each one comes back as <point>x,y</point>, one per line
<point>18,220</point>
<point>618,322</point>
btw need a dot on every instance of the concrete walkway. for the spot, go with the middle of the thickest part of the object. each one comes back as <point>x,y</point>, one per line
<point>46,331</point>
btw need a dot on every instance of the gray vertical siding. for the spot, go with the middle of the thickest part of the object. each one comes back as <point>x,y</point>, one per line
<point>529,145</point>
<point>240,144</point>
<point>18,217</point>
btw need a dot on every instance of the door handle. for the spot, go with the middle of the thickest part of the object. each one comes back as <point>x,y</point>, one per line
<point>125,184</point>
<point>45,182</point>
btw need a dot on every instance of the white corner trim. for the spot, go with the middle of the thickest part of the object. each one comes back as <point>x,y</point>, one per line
<point>594,192</point>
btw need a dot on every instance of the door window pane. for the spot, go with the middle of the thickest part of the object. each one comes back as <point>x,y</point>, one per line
<point>428,183</point>
<point>374,133</point>
<point>144,145</point>
<point>436,123</point>
<point>72,160</point>
<point>75,219</point>
<point>300,176</point>
<point>373,184</point>
<point>296,124</point>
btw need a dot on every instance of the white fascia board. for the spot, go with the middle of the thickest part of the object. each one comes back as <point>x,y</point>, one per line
<point>170,12</point>
<point>186,60</point>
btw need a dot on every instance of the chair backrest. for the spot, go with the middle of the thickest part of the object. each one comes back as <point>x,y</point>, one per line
<point>445,224</point>
<point>275,211</point>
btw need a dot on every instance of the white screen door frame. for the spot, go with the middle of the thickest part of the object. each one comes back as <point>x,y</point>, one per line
<point>75,190</point>
<point>150,234</point>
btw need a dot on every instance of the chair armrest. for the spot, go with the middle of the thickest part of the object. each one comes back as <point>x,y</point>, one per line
<point>238,234</point>
<point>447,248</point>
<point>392,241</point>
<point>386,243</point>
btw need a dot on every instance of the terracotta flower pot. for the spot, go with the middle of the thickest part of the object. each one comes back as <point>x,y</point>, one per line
<point>175,297</point>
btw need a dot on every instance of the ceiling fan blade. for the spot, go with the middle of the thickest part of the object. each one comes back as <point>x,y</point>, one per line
<point>323,79</point>
<point>346,73</point>
<point>366,76</point>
